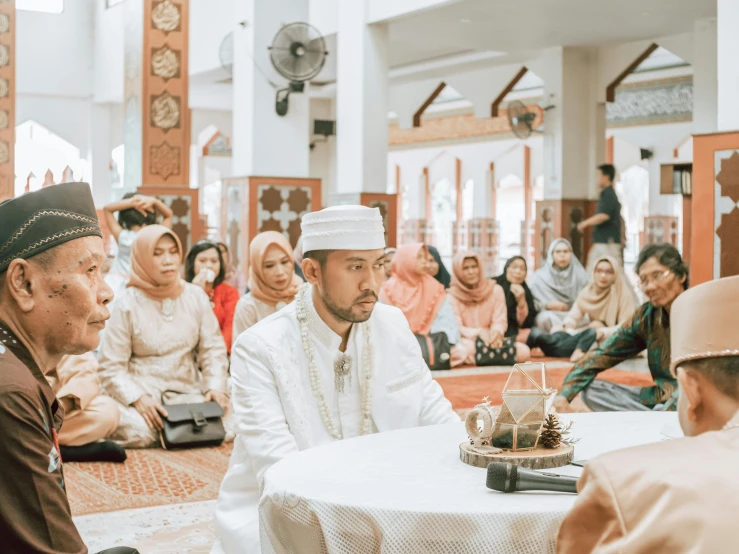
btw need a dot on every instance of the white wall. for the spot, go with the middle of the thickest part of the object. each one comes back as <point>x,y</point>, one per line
<point>202,118</point>
<point>54,51</point>
<point>68,118</point>
<point>475,157</point>
<point>322,162</point>
<point>108,53</point>
<point>662,140</point>
<point>210,22</point>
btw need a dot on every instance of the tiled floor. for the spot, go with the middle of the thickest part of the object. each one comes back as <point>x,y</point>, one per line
<point>176,529</point>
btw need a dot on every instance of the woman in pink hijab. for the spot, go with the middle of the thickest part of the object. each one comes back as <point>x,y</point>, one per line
<point>421,298</point>
<point>480,307</point>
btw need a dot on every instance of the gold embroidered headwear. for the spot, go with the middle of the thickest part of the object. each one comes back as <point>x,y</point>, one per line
<point>704,322</point>
<point>44,219</point>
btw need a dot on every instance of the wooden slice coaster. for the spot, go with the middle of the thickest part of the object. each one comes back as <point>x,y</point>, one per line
<point>539,458</point>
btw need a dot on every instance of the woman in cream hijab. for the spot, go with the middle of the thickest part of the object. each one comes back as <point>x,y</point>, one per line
<point>162,345</point>
<point>273,283</point>
<point>606,302</point>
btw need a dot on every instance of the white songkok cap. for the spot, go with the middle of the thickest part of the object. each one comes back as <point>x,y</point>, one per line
<point>343,228</point>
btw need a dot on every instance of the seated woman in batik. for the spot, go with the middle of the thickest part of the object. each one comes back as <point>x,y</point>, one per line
<point>162,345</point>
<point>605,304</point>
<point>480,307</point>
<point>556,285</point>
<point>206,268</point>
<point>273,283</point>
<point>664,276</point>
<point>422,298</point>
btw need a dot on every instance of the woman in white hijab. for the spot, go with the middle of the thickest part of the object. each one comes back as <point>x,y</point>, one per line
<point>556,285</point>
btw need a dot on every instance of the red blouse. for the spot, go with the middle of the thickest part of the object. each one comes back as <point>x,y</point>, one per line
<point>224,298</point>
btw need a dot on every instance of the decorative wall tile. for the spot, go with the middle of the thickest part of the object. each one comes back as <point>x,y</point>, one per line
<point>280,207</point>
<point>665,101</point>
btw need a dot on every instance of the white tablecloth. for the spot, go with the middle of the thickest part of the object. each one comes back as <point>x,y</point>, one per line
<point>407,492</point>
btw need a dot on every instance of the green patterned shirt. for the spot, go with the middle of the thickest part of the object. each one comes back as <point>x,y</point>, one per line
<point>648,328</point>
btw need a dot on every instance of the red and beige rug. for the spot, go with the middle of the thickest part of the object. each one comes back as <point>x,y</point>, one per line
<point>152,477</point>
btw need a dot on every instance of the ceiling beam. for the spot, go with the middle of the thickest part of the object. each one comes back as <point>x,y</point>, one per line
<point>494,108</point>
<point>426,104</point>
<point>611,89</point>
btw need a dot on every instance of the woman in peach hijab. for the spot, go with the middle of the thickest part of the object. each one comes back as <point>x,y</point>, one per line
<point>273,283</point>
<point>422,298</point>
<point>162,344</point>
<point>480,307</point>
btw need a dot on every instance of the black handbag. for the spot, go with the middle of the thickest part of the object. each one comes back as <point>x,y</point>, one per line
<point>436,350</point>
<point>192,425</point>
<point>503,355</point>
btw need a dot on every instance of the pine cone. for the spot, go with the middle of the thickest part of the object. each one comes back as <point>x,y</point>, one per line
<point>551,436</point>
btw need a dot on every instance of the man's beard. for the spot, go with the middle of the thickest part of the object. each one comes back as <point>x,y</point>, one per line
<point>345,314</point>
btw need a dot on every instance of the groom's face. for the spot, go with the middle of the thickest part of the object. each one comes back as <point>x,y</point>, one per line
<point>350,283</point>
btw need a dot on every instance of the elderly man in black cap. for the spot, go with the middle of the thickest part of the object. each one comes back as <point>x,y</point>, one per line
<point>52,303</point>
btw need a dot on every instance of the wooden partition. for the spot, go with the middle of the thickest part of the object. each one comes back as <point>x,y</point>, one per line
<point>714,224</point>
<point>558,219</point>
<point>256,204</point>
<point>660,229</point>
<point>481,237</point>
<point>388,206</point>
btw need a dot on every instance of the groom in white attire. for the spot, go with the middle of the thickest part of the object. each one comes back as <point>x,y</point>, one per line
<point>330,366</point>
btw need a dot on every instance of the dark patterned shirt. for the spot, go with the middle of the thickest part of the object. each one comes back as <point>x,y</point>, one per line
<point>34,511</point>
<point>648,328</point>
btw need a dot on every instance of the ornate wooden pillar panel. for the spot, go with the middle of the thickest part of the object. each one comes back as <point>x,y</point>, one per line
<point>715,207</point>
<point>559,219</point>
<point>7,99</point>
<point>660,229</point>
<point>157,133</point>
<point>259,204</point>
<point>388,206</point>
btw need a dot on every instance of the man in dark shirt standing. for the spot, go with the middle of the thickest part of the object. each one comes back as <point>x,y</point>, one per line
<point>606,222</point>
<point>53,301</point>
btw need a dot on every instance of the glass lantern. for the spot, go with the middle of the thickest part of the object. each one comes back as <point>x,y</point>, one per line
<point>527,396</point>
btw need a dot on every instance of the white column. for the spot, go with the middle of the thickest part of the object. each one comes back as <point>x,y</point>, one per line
<point>263,142</point>
<point>727,12</point>
<point>574,136</point>
<point>362,101</point>
<point>705,81</point>
<point>479,172</point>
<point>100,152</point>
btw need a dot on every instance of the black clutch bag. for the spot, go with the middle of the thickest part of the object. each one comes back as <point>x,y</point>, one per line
<point>193,425</point>
<point>504,355</point>
<point>436,350</point>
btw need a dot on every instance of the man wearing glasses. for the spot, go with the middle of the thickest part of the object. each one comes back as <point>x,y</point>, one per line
<point>663,276</point>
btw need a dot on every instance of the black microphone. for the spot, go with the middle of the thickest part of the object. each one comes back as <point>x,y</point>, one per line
<point>510,478</point>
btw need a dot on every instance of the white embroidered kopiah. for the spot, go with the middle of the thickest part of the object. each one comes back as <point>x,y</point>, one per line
<point>367,370</point>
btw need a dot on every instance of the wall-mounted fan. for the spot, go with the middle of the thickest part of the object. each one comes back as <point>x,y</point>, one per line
<point>298,53</point>
<point>521,119</point>
<point>226,53</point>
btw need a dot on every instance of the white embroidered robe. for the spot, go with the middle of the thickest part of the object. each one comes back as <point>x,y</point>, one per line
<point>277,414</point>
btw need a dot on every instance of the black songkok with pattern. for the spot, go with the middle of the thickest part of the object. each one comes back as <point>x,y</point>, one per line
<point>44,219</point>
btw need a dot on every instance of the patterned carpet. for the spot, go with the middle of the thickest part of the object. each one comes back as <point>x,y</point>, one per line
<point>152,477</point>
<point>156,477</point>
<point>466,391</point>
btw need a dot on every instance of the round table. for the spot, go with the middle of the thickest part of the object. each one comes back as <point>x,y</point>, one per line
<point>407,492</point>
